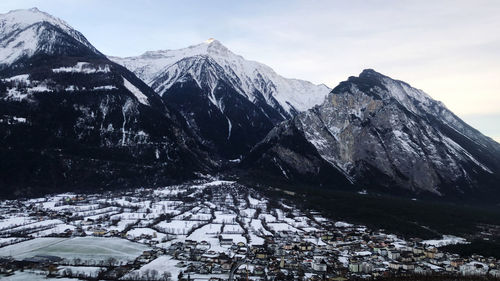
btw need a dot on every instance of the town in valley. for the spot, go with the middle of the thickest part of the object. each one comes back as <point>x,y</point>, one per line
<point>206,230</point>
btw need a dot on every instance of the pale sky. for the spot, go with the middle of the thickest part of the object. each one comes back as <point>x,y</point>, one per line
<point>449,49</point>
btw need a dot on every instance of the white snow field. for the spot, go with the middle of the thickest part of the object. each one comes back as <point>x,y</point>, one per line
<point>446,240</point>
<point>93,249</point>
<point>162,264</point>
<point>32,276</point>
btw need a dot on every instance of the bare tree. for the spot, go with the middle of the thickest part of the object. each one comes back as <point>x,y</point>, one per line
<point>166,276</point>
<point>68,272</point>
<point>154,274</point>
<point>111,261</point>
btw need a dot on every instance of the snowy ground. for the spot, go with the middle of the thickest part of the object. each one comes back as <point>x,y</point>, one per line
<point>25,276</point>
<point>446,240</point>
<point>162,264</point>
<point>91,249</point>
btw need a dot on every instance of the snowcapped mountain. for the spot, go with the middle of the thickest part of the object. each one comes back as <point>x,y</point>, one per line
<point>376,132</point>
<point>25,33</point>
<point>161,69</point>
<point>71,118</point>
<point>231,102</point>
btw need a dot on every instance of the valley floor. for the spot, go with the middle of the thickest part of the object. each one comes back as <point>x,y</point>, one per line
<point>207,229</point>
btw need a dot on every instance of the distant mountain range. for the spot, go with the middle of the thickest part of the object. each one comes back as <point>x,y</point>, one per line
<point>230,102</point>
<point>74,119</point>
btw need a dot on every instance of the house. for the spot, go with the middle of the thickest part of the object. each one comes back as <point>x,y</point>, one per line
<point>439,255</point>
<point>147,253</point>
<point>430,254</point>
<point>292,264</point>
<point>406,256</point>
<point>203,245</point>
<point>261,254</point>
<point>99,231</point>
<point>190,268</point>
<point>259,270</point>
<point>457,262</point>
<point>449,268</point>
<point>366,267</point>
<point>394,265</point>
<point>327,236</point>
<point>495,273</point>
<point>217,269</point>
<point>408,266</point>
<point>226,241</point>
<point>418,250</point>
<point>354,267</point>
<point>394,255</point>
<point>204,270</point>
<point>319,266</point>
<point>226,266</point>
<point>305,246</point>
<point>190,243</point>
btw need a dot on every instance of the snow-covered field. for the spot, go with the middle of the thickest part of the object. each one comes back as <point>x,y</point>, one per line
<point>162,265</point>
<point>178,226</point>
<point>281,226</point>
<point>15,221</point>
<point>209,233</point>
<point>25,276</point>
<point>92,249</point>
<point>446,240</point>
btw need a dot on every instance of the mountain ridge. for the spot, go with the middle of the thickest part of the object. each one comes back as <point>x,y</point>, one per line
<point>232,63</point>
<point>90,122</point>
<point>205,107</point>
<point>24,33</point>
<point>384,134</point>
<point>219,81</point>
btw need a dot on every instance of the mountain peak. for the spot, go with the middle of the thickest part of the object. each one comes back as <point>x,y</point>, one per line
<point>401,91</point>
<point>25,32</point>
<point>216,47</point>
<point>369,72</point>
<point>207,47</point>
<point>381,132</point>
<point>210,40</point>
<point>26,17</point>
<point>249,78</point>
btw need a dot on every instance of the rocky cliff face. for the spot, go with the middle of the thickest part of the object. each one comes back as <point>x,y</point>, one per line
<point>383,134</point>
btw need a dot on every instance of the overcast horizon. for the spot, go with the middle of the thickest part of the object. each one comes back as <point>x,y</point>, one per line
<point>448,49</point>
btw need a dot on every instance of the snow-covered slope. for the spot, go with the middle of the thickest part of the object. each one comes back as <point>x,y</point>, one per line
<point>71,118</point>
<point>24,33</point>
<point>161,69</point>
<point>377,132</point>
<point>231,103</point>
